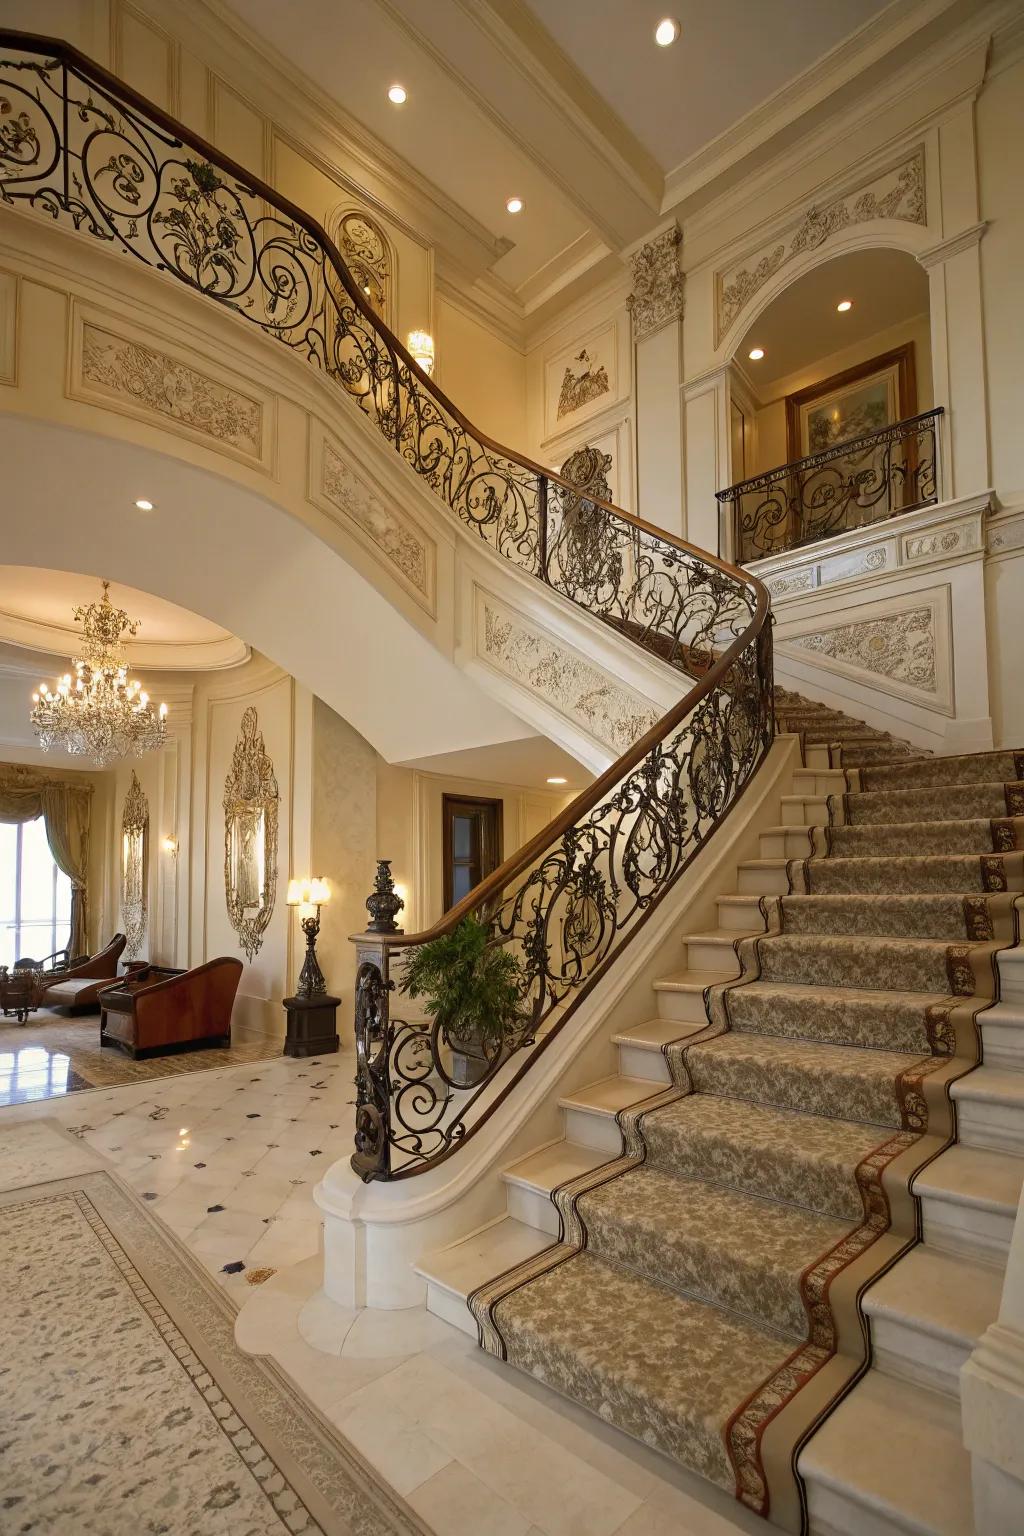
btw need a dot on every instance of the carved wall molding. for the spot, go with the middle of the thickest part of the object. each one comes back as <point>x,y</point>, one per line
<point>251,799</point>
<point>900,646</point>
<point>1006,535</point>
<point>379,524</point>
<point>657,296</point>
<point>897,193</point>
<point>573,686</point>
<point>134,866</point>
<point>370,257</point>
<point>8,328</point>
<point>131,371</point>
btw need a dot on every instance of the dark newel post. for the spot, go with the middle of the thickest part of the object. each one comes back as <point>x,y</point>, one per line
<point>371,1158</point>
<point>383,902</point>
<point>543,541</point>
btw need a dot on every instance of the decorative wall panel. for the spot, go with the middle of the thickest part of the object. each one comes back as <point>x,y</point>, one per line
<point>581,380</point>
<point>134,867</point>
<point>129,373</point>
<point>8,328</point>
<point>335,487</point>
<point>657,296</point>
<point>897,193</point>
<point>250,836</point>
<point>1005,535</point>
<point>612,714</point>
<point>607,454</point>
<point>901,647</point>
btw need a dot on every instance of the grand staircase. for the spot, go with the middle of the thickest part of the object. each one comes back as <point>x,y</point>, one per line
<point>801,1170</point>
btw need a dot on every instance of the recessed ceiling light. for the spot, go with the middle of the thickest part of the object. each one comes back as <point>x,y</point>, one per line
<point>144,505</point>
<point>844,305</point>
<point>397,94</point>
<point>755,354</point>
<point>558,781</point>
<point>666,32</point>
<point>514,205</point>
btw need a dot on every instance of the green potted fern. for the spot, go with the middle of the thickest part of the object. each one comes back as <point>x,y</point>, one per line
<point>473,991</point>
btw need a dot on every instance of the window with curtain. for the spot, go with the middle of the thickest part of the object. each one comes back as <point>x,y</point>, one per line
<point>35,897</point>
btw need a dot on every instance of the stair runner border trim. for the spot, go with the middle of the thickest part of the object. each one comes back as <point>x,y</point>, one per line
<point>766,1432</point>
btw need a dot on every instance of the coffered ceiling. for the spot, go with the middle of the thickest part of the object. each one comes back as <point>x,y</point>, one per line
<point>570,105</point>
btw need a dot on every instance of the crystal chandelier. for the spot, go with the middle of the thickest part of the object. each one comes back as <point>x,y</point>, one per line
<point>99,713</point>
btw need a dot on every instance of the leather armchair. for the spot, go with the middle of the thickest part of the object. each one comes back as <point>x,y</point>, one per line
<point>78,988</point>
<point>156,1010</point>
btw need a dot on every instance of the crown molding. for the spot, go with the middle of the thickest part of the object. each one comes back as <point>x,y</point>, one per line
<point>487,301</point>
<point>607,293</point>
<point>307,117</point>
<point>941,252</point>
<point>574,262</point>
<point>850,58</point>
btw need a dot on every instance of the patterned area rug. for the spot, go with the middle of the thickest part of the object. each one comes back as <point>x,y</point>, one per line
<point>51,1056</point>
<point>128,1408</point>
<point>705,1293</point>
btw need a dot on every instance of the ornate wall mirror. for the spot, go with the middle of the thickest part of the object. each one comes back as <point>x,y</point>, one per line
<point>250,837</point>
<point>134,866</point>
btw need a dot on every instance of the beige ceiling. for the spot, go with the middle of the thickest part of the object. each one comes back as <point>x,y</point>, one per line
<point>36,614</point>
<point>570,105</point>
<point>803,325</point>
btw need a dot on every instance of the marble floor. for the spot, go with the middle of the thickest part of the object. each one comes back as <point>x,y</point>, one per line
<point>229,1159</point>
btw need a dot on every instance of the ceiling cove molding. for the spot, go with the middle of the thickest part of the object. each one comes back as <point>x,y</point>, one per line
<point>842,64</point>
<point>604,297</point>
<point>487,301</point>
<point>963,57</point>
<point>147,655</point>
<point>937,254</point>
<point>578,258</point>
<point>306,115</point>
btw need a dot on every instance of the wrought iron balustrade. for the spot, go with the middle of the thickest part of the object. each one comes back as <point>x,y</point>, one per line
<point>849,486</point>
<point>84,150</point>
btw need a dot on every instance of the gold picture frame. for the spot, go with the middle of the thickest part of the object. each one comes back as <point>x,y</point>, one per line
<point>865,398</point>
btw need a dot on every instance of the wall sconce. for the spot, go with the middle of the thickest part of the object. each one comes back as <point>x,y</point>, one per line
<point>309,896</point>
<point>170,846</point>
<point>421,346</point>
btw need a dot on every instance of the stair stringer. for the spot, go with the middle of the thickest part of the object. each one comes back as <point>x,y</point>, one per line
<point>375,1233</point>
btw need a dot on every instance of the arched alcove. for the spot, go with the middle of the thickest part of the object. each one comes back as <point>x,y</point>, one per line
<point>370,256</point>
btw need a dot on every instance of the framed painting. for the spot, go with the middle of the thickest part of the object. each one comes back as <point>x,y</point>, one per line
<point>871,395</point>
<point>580,381</point>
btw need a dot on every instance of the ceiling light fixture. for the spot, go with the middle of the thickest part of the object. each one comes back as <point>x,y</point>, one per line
<point>514,205</point>
<point>397,95</point>
<point>144,505</point>
<point>755,354</point>
<point>844,305</point>
<point>558,781</point>
<point>666,32</point>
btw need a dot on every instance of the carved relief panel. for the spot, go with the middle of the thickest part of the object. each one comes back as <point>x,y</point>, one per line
<point>250,837</point>
<point>134,866</point>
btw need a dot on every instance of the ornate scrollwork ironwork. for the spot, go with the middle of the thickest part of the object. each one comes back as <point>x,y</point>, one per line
<point>848,486</point>
<point>250,837</point>
<point>81,148</point>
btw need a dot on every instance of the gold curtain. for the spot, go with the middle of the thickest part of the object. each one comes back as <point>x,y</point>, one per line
<point>66,809</point>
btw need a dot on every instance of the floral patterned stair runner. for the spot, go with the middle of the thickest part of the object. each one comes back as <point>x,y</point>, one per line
<point>704,1294</point>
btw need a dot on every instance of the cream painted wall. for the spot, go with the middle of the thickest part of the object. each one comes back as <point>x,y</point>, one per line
<point>343,845</point>
<point>483,376</point>
<point>770,448</point>
<point>1000,123</point>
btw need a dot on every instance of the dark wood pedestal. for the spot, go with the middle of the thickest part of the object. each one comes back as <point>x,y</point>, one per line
<point>312,1025</point>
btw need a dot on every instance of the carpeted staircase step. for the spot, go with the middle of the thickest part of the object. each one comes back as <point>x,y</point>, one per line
<point>968,872</point>
<point>832,1080</point>
<point>665,1369</point>
<point>717,1245</point>
<point>975,919</point>
<point>971,768</point>
<point>890,1021</point>
<point>862,736</point>
<point>901,965</point>
<point>972,835</point>
<point>939,803</point>
<point>809,1159</point>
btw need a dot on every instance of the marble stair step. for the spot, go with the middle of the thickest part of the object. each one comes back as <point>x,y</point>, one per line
<point>889,1459</point>
<point>891,1021</point>
<point>640,1048</point>
<point>819,781</point>
<point>452,1273</point>
<point>530,1181</point>
<point>969,1198</point>
<point>715,949</point>
<point>763,877</point>
<point>970,873</point>
<point>811,810</point>
<point>990,1108</point>
<point>733,1250</point>
<point>590,1111</point>
<point>831,1080</point>
<point>785,842</point>
<point>928,1312</point>
<point>680,997</point>
<point>1002,1029</point>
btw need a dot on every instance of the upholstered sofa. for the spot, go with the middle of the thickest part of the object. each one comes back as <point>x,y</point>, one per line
<point>156,1009</point>
<point>77,989</point>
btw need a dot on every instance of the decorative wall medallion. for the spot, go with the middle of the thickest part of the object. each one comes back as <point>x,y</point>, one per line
<point>900,646</point>
<point>411,554</point>
<point>134,866</point>
<point>250,837</point>
<point>962,540</point>
<point>8,328</point>
<point>1006,534</point>
<point>367,253</point>
<point>581,380</point>
<point>588,468</point>
<point>576,688</point>
<point>863,562</point>
<point>898,193</point>
<point>785,586</point>
<point>657,295</point>
<point>151,383</point>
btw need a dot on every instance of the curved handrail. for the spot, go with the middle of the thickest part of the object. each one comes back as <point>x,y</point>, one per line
<point>80,146</point>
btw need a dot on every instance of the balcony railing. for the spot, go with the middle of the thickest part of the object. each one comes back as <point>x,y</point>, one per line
<point>81,149</point>
<point>849,486</point>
